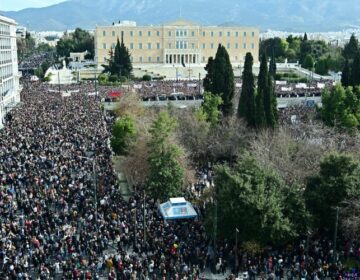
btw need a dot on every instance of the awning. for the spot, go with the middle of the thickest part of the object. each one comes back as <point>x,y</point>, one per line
<point>177,208</point>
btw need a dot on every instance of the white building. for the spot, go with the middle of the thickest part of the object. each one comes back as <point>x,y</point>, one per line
<point>9,73</point>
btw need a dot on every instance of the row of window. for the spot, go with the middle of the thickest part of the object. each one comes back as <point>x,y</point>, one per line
<point>5,43</point>
<point>6,87</point>
<point>143,59</point>
<point>182,45</point>
<point>5,57</point>
<point>4,29</point>
<point>158,60</point>
<point>184,33</point>
<point>6,72</point>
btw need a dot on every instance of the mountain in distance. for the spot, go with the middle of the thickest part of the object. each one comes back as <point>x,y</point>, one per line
<point>287,15</point>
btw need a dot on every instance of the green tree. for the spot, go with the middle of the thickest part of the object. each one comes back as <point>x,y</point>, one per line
<point>308,62</point>
<point>345,76</point>
<point>305,49</point>
<point>355,71</point>
<point>270,104</point>
<point>351,49</point>
<point>341,108</point>
<point>251,199</point>
<point>78,41</point>
<point>209,78</point>
<point>222,81</point>
<point>321,66</point>
<point>337,181</point>
<point>273,46</point>
<point>166,175</point>
<point>119,62</point>
<point>262,90</point>
<point>64,47</point>
<point>246,108</point>
<point>210,108</point>
<point>272,67</point>
<point>123,132</point>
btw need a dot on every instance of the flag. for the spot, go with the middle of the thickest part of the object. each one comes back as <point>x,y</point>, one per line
<point>237,230</point>
<point>182,61</point>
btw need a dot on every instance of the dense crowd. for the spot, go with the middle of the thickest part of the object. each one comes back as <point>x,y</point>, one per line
<point>63,216</point>
<point>51,224</point>
<point>158,90</point>
<point>296,114</point>
<point>34,60</point>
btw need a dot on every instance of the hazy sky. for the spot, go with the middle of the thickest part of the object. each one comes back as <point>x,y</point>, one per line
<point>15,5</point>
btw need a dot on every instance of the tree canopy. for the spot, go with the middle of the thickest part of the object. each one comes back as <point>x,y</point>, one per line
<point>251,199</point>
<point>337,181</point>
<point>78,41</point>
<point>341,107</point>
<point>220,79</point>
<point>166,175</point>
<point>119,63</point>
<point>246,108</point>
<point>123,132</point>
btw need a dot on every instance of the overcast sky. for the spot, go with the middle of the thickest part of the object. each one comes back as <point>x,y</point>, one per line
<point>15,5</point>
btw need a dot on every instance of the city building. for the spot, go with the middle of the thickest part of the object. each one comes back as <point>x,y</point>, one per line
<point>21,32</point>
<point>179,43</point>
<point>9,74</point>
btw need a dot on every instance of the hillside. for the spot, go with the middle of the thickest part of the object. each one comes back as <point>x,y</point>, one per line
<point>290,15</point>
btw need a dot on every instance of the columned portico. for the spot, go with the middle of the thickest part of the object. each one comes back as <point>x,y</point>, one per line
<point>175,56</point>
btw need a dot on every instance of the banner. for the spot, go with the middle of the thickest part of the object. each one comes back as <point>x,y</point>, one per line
<point>192,85</point>
<point>66,94</point>
<point>137,86</point>
<point>238,85</point>
<point>300,85</point>
<point>320,85</point>
<point>281,83</point>
<point>286,89</point>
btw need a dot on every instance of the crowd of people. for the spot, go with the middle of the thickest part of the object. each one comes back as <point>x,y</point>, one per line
<point>169,89</point>
<point>52,223</point>
<point>63,216</point>
<point>312,89</point>
<point>34,60</point>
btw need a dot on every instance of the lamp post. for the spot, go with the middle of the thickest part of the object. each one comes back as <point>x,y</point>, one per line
<point>95,84</point>
<point>144,220</point>
<point>199,84</point>
<point>236,250</point>
<point>335,233</point>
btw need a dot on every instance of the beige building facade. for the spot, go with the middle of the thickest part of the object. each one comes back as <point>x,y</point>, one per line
<point>178,42</point>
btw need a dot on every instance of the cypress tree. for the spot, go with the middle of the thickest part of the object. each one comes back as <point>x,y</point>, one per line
<point>305,37</point>
<point>345,76</point>
<point>220,79</point>
<point>272,67</point>
<point>229,86</point>
<point>271,112</point>
<point>351,49</point>
<point>305,49</point>
<point>246,108</point>
<point>125,58</point>
<point>355,71</point>
<point>208,80</point>
<point>261,93</point>
<point>117,59</point>
<point>219,71</point>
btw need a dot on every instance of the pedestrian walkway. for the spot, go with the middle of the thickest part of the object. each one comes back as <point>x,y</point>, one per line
<point>125,189</point>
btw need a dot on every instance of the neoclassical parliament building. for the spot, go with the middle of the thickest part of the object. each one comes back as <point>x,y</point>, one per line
<point>178,42</point>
